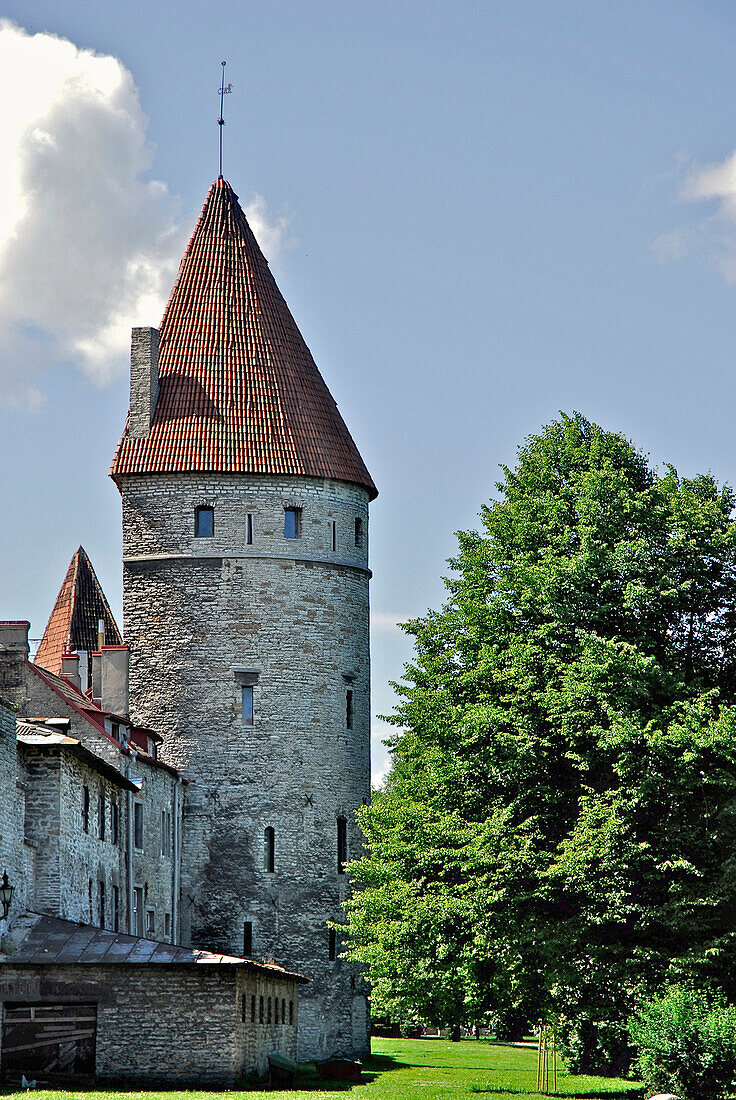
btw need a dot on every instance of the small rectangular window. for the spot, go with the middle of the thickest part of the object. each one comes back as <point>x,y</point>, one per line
<point>115,909</point>
<point>276,1011</point>
<point>358,531</point>
<point>101,904</point>
<point>247,705</point>
<point>269,850</point>
<point>137,911</point>
<point>101,815</point>
<point>260,1010</point>
<point>283,1010</point>
<point>342,845</point>
<point>138,825</point>
<point>150,923</point>
<point>114,823</point>
<point>333,534</point>
<point>253,1008</point>
<point>85,809</point>
<point>292,523</point>
<point>270,1002</point>
<point>165,833</point>
<point>349,709</point>
<point>247,938</point>
<point>291,1012</point>
<point>243,1002</point>
<point>249,529</point>
<point>332,945</point>
<point>204,523</point>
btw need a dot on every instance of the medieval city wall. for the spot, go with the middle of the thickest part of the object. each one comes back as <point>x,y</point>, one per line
<point>205,617</point>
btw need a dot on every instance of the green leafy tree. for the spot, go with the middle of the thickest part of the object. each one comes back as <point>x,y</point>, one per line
<point>556,837</point>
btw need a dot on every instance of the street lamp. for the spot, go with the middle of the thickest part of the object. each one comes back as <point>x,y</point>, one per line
<point>6,894</point>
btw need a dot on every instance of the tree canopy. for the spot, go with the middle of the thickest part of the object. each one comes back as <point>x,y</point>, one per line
<point>556,837</point>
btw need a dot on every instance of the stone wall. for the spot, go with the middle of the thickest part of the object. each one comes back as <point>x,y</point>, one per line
<point>205,617</point>
<point>167,1023</point>
<point>16,857</point>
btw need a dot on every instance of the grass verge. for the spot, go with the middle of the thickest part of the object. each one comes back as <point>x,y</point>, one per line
<point>412,1069</point>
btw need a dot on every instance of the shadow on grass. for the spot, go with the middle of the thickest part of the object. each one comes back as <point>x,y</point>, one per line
<point>634,1093</point>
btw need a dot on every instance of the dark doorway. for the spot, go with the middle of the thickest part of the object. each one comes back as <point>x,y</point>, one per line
<point>49,1040</point>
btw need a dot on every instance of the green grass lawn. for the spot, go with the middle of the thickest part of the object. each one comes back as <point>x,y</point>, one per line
<point>410,1069</point>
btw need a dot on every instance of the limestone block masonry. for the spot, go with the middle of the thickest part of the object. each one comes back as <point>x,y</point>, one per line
<point>247,610</point>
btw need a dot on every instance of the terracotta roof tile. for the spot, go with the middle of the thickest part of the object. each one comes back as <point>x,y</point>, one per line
<point>239,390</point>
<point>73,622</point>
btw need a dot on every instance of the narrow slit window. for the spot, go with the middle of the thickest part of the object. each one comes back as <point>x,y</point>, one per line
<point>138,826</point>
<point>260,1011</point>
<point>358,531</point>
<point>342,845</point>
<point>249,529</point>
<point>101,904</point>
<point>204,523</point>
<point>270,999</point>
<point>292,523</point>
<point>349,709</point>
<point>101,815</point>
<point>333,534</point>
<point>269,850</point>
<point>116,909</point>
<point>253,1008</point>
<point>243,1002</point>
<point>276,1011</point>
<point>332,945</point>
<point>114,823</point>
<point>291,1012</point>
<point>247,705</point>
<point>85,809</point>
<point>283,1010</point>
<point>247,938</point>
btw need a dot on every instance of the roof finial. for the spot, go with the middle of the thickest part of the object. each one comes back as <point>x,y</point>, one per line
<point>224,89</point>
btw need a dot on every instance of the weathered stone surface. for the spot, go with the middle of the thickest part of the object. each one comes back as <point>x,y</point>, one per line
<point>292,616</point>
<point>180,1025</point>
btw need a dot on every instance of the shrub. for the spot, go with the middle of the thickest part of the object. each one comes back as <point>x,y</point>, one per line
<point>686,1044</point>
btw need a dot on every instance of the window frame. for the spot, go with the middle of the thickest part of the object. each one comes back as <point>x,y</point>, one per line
<point>199,512</point>
<point>342,844</point>
<point>138,820</point>
<point>296,513</point>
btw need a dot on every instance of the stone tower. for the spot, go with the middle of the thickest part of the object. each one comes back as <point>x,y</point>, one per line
<point>245,606</point>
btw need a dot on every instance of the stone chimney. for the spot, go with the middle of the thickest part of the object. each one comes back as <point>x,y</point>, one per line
<point>110,675</point>
<point>13,655</point>
<point>70,669</point>
<point>143,381</point>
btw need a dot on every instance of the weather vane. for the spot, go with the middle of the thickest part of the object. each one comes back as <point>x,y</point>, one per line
<point>225,89</point>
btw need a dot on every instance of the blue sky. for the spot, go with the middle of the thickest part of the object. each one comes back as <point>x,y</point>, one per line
<point>483,213</point>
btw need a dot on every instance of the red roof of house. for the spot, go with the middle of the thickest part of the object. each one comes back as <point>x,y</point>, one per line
<point>239,389</point>
<point>73,623</point>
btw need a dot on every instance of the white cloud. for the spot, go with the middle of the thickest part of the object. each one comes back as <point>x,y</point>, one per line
<point>89,246</point>
<point>273,235</point>
<point>714,237</point>
<point>387,622</point>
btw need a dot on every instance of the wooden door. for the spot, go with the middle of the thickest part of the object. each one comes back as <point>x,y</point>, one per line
<point>49,1040</point>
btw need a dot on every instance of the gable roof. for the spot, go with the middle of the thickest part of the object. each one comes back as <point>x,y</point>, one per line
<point>73,622</point>
<point>239,391</point>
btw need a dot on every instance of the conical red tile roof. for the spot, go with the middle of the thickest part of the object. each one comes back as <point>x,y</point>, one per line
<point>239,390</point>
<point>73,623</point>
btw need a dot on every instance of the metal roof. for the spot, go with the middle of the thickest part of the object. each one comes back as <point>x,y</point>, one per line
<point>54,942</point>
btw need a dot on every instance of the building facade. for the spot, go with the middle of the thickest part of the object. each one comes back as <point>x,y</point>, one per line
<point>245,601</point>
